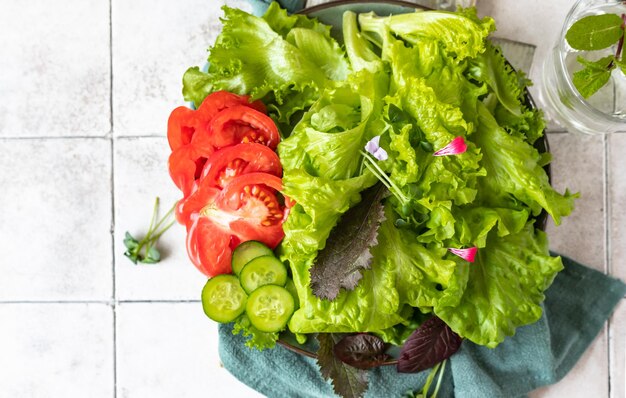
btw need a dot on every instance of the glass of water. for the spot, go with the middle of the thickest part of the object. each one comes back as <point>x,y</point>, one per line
<point>603,112</point>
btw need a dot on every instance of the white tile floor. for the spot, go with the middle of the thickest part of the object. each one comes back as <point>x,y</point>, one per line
<point>86,88</point>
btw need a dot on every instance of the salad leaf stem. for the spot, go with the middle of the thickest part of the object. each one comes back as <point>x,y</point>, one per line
<point>373,167</point>
<point>438,368</point>
<point>620,44</point>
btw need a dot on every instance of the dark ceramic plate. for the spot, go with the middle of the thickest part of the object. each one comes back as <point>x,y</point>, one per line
<point>331,14</point>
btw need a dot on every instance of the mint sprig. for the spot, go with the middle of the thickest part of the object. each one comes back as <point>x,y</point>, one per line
<point>144,250</point>
<point>594,76</point>
<point>592,33</point>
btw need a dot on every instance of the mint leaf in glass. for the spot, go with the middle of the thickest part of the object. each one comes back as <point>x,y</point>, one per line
<point>595,32</point>
<point>594,76</point>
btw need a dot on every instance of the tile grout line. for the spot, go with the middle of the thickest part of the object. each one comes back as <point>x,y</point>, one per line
<point>83,137</point>
<point>112,138</point>
<point>61,137</point>
<point>105,302</point>
<point>607,254</point>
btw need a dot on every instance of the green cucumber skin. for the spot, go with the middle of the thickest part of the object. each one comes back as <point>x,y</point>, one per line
<point>272,299</point>
<point>246,252</point>
<point>235,292</point>
<point>260,268</point>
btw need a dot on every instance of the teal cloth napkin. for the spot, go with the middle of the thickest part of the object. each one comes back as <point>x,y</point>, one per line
<point>577,304</point>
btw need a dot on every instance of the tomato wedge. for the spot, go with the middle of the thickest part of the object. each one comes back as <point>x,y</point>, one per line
<point>208,247</point>
<point>189,131</point>
<point>221,168</point>
<point>254,209</point>
<point>181,126</point>
<point>232,161</point>
<point>185,166</point>
<point>242,124</point>
<point>248,208</point>
<point>220,100</point>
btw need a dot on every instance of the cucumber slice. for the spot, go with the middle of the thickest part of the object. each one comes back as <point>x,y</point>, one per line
<point>269,308</point>
<point>264,270</point>
<point>223,298</point>
<point>246,252</point>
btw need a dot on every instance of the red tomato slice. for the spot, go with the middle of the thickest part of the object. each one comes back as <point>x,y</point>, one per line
<point>185,166</point>
<point>242,124</point>
<point>221,168</point>
<point>181,126</point>
<point>230,162</point>
<point>246,209</point>
<point>220,100</point>
<point>208,247</point>
<point>253,209</point>
<point>183,122</point>
<point>234,194</point>
<point>188,133</point>
<point>203,196</point>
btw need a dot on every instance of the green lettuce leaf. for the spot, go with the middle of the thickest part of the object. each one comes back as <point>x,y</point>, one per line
<point>255,338</point>
<point>460,35</point>
<point>329,138</point>
<point>493,69</point>
<point>256,56</point>
<point>515,172</point>
<point>359,50</point>
<point>505,287</point>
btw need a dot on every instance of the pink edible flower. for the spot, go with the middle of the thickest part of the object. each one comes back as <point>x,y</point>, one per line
<point>373,147</point>
<point>465,254</point>
<point>455,147</point>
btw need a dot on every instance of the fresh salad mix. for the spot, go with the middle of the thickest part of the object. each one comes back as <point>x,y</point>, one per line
<point>403,196</point>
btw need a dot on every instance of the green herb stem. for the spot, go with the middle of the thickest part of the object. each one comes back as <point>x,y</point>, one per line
<point>142,250</point>
<point>384,178</point>
<point>620,44</point>
<point>439,379</point>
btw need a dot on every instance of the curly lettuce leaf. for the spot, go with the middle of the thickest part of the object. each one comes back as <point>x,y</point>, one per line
<point>404,274</point>
<point>282,23</point>
<point>320,203</point>
<point>444,178</point>
<point>530,123</point>
<point>329,138</point>
<point>256,56</point>
<point>493,69</point>
<point>255,338</point>
<point>515,172</point>
<point>359,50</point>
<point>505,287</point>
<point>470,226</point>
<point>461,36</point>
<point>423,277</point>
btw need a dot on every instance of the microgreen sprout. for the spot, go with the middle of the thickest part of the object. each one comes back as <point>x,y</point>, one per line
<point>144,250</point>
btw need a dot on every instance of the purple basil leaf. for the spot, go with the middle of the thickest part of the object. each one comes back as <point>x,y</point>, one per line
<point>348,381</point>
<point>363,351</point>
<point>430,344</point>
<point>347,251</point>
